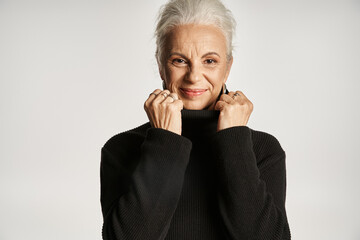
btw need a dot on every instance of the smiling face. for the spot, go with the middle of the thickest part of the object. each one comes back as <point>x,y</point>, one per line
<point>195,66</point>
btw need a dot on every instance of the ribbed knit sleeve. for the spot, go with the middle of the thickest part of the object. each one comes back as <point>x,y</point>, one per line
<point>251,198</point>
<point>144,209</point>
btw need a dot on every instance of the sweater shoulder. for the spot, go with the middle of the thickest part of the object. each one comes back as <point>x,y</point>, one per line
<point>130,138</point>
<point>265,145</point>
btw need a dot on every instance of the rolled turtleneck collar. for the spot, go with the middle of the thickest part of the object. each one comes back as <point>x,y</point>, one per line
<point>199,123</point>
<point>199,114</point>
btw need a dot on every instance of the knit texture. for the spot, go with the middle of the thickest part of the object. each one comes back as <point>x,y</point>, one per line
<point>204,184</point>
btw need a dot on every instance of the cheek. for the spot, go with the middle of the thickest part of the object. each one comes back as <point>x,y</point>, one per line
<point>174,76</point>
<point>216,78</point>
<point>171,80</point>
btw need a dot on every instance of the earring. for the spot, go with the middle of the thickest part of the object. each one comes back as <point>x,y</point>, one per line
<point>163,85</point>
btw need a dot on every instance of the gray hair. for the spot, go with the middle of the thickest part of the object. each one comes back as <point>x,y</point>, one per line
<point>181,12</point>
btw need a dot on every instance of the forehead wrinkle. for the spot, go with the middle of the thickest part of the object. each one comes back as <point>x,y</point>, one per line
<point>191,49</point>
<point>193,44</point>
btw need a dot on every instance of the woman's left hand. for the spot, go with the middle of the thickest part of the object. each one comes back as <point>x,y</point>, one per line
<point>235,109</point>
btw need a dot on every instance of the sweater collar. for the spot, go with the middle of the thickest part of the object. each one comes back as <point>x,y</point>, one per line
<point>199,123</point>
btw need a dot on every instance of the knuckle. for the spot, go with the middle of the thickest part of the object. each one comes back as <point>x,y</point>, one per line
<point>152,107</point>
<point>175,96</point>
<point>172,107</point>
<point>179,104</point>
<point>147,104</point>
<point>154,102</point>
<point>251,106</point>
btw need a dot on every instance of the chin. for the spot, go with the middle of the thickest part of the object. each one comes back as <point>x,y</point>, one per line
<point>195,105</point>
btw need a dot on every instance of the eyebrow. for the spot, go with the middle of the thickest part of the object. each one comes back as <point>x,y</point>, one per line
<point>205,55</point>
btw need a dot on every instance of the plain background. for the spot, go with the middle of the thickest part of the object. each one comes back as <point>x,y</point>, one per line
<point>73,73</point>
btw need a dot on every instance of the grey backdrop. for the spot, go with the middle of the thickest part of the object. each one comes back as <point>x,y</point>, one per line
<point>74,73</point>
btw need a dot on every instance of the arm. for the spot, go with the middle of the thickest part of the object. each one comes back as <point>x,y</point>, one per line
<point>251,200</point>
<point>144,209</point>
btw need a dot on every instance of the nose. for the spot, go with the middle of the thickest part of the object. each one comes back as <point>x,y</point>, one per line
<point>194,73</point>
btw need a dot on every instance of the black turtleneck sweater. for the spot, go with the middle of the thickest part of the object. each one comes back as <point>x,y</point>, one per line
<point>204,184</point>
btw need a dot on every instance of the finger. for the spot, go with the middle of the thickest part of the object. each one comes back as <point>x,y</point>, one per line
<point>244,100</point>
<point>241,98</point>
<point>154,94</point>
<point>220,105</point>
<point>169,99</point>
<point>231,93</point>
<point>174,96</point>
<point>227,98</point>
<point>178,104</point>
<point>151,97</point>
<point>240,94</point>
<point>161,96</point>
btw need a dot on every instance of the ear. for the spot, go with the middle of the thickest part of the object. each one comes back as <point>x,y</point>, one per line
<point>228,68</point>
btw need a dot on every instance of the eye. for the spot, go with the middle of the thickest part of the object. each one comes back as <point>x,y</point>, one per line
<point>178,61</point>
<point>210,61</point>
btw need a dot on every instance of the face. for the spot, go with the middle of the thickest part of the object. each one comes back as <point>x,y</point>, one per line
<point>195,66</point>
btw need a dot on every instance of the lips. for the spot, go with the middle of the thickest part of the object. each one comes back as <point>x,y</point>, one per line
<point>193,92</point>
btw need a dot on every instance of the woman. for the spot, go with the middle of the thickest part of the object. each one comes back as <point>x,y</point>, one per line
<point>195,170</point>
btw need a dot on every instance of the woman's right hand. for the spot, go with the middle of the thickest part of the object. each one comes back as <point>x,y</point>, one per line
<point>164,110</point>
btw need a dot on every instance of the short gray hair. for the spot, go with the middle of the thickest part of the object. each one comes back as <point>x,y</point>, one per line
<point>181,12</point>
